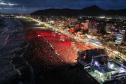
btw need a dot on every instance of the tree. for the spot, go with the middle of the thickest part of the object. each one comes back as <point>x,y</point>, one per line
<point>84,31</point>
<point>116,45</point>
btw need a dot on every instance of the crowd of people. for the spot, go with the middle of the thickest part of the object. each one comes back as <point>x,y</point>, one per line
<point>50,48</point>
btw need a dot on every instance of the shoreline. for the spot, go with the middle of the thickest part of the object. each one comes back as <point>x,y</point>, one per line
<point>14,69</point>
<point>22,64</point>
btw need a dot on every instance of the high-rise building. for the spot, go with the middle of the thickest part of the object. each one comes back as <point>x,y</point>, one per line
<point>119,39</point>
<point>84,25</point>
<point>92,31</point>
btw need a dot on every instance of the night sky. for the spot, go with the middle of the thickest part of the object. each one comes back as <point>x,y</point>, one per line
<point>28,6</point>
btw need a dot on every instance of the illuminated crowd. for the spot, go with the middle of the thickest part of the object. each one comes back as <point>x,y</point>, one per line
<point>50,48</point>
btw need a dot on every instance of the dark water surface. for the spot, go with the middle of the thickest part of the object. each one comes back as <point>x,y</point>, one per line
<point>13,68</point>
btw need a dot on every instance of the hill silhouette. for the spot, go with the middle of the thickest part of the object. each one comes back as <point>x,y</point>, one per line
<point>90,11</point>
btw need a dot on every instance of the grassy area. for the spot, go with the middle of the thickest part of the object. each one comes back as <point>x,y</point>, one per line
<point>30,23</point>
<point>29,19</point>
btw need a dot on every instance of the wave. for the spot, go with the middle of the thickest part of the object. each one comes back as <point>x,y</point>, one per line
<point>4,41</point>
<point>16,50</point>
<point>13,46</point>
<point>3,30</point>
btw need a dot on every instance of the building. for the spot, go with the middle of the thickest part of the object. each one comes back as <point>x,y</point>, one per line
<point>108,28</point>
<point>65,23</point>
<point>92,31</point>
<point>114,33</point>
<point>72,30</point>
<point>73,21</point>
<point>85,25</point>
<point>107,69</point>
<point>119,39</point>
<point>77,27</point>
<point>101,67</point>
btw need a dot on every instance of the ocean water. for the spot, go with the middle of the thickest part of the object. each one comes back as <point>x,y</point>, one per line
<point>13,46</point>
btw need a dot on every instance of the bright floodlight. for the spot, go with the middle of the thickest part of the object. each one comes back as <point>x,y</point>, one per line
<point>101,74</point>
<point>122,70</point>
<point>102,17</point>
<point>88,36</point>
<point>96,63</point>
<point>111,66</point>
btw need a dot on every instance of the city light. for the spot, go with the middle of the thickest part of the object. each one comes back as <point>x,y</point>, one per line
<point>96,63</point>
<point>111,66</point>
<point>122,70</point>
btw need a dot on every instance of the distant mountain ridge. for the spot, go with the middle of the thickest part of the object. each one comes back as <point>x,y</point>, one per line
<point>91,11</point>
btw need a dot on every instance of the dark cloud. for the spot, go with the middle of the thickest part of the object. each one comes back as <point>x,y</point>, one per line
<point>55,3</point>
<point>89,0</point>
<point>27,3</point>
<point>79,4</point>
<point>79,0</point>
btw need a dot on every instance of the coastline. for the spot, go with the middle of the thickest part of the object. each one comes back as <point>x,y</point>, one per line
<point>14,69</point>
